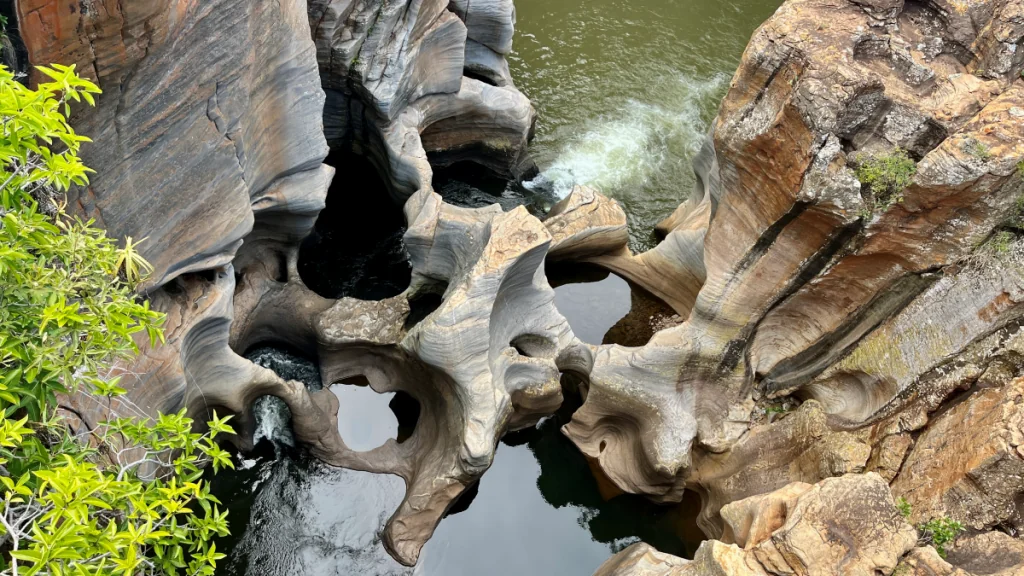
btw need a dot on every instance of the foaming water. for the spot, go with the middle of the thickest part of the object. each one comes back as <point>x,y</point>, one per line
<point>628,148</point>
<point>273,419</point>
<point>625,91</point>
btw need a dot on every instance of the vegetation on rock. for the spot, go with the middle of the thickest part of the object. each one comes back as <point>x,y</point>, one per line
<point>886,176</point>
<point>904,507</point>
<point>124,498</point>
<point>977,149</point>
<point>940,532</point>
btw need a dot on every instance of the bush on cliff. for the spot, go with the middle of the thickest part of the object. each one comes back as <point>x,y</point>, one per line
<point>886,175</point>
<point>125,497</point>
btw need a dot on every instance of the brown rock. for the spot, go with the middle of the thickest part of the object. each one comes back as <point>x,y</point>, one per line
<point>750,521</point>
<point>926,562</point>
<point>846,525</point>
<point>988,553</point>
<point>641,559</point>
<point>967,464</point>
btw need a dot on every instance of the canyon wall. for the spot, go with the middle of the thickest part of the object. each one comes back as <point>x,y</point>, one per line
<point>829,338</point>
<point>824,326</point>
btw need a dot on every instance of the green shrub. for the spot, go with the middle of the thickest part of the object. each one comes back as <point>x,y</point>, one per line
<point>904,507</point>
<point>940,532</point>
<point>127,499</point>
<point>886,176</point>
<point>1001,242</point>
<point>1015,219</point>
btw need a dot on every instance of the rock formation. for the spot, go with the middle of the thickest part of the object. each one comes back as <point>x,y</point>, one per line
<point>834,342</point>
<point>845,525</point>
<point>204,107</point>
<point>798,285</point>
<point>213,128</point>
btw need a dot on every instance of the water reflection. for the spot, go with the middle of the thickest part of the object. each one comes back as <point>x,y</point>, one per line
<point>365,419</point>
<point>602,308</point>
<point>538,510</point>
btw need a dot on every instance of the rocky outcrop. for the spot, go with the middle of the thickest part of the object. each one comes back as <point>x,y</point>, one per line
<point>204,108</point>
<point>798,283</point>
<point>212,129</point>
<point>395,75</point>
<point>968,464</point>
<point>486,361</point>
<point>845,525</point>
<point>988,553</point>
<point>827,331</point>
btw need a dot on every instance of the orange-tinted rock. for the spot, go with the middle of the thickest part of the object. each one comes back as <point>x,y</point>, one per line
<point>801,263</point>
<point>968,464</point>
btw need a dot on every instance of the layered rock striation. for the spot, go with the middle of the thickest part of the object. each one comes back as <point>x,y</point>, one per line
<point>213,127</point>
<point>802,287</point>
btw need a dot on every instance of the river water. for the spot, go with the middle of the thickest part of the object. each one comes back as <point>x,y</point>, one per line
<point>624,91</point>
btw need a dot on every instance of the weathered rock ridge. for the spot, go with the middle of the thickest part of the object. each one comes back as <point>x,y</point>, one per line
<point>833,346</point>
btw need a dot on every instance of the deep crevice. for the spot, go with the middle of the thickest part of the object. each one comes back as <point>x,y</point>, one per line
<point>357,248</point>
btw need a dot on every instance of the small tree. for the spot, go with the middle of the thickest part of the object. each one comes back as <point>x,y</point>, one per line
<point>128,499</point>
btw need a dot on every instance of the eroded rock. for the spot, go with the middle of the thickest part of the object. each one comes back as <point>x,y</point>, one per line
<point>204,108</point>
<point>796,265</point>
<point>796,284</point>
<point>845,525</point>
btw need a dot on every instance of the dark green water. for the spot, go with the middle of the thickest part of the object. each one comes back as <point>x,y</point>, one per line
<point>624,91</point>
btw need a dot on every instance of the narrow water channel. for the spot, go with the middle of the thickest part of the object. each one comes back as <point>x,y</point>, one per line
<point>625,90</point>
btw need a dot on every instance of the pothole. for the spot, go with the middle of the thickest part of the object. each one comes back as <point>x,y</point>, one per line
<point>272,417</point>
<point>367,419</point>
<point>474,186</point>
<point>603,308</point>
<point>356,249</point>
